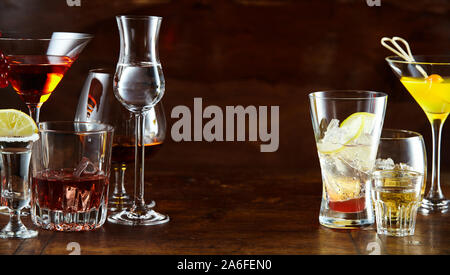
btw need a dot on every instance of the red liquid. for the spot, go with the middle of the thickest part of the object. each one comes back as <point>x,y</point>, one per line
<point>67,193</point>
<point>123,153</point>
<point>34,77</point>
<point>348,206</point>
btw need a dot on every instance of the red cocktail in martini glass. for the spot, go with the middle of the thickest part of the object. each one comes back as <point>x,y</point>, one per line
<point>35,66</point>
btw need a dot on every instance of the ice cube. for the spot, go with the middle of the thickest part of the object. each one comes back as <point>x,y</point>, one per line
<point>333,133</point>
<point>384,164</point>
<point>70,201</point>
<point>85,167</point>
<point>403,166</point>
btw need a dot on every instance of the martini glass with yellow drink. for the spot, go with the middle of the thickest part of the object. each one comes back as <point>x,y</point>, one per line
<point>427,79</point>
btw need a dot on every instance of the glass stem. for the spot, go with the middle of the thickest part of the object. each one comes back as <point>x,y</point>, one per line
<point>15,223</point>
<point>139,203</point>
<point>119,187</point>
<point>34,110</point>
<point>435,192</point>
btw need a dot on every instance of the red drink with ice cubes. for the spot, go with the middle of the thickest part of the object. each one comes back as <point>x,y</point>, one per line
<point>63,191</point>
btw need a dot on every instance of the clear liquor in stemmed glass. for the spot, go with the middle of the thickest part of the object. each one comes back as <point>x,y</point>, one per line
<point>139,85</point>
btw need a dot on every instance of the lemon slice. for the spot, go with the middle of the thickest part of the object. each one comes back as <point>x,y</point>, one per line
<point>14,123</point>
<point>355,119</point>
<point>329,148</point>
<point>351,128</point>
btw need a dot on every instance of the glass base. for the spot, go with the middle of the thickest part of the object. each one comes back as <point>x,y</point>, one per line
<point>120,203</point>
<point>434,206</point>
<point>346,220</point>
<point>396,232</point>
<point>344,223</point>
<point>117,203</point>
<point>20,233</point>
<point>59,220</point>
<point>128,217</point>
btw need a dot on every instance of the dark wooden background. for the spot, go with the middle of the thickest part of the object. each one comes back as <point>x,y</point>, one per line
<point>249,52</point>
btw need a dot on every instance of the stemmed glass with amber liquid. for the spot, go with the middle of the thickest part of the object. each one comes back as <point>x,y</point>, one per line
<point>97,103</point>
<point>35,66</point>
<point>123,152</point>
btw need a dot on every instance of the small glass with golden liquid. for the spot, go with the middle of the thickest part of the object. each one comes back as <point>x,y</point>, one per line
<point>397,196</point>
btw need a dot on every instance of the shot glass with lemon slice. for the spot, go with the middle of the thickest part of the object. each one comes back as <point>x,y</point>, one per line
<point>18,131</point>
<point>347,127</point>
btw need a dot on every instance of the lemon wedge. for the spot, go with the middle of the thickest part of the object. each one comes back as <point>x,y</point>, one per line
<point>350,129</point>
<point>15,123</point>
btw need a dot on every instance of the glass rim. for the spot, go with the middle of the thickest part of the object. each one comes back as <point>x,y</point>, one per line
<point>103,70</point>
<point>32,138</point>
<point>411,134</point>
<point>397,173</point>
<point>139,17</point>
<point>353,94</point>
<point>398,59</point>
<point>105,128</point>
<point>18,37</point>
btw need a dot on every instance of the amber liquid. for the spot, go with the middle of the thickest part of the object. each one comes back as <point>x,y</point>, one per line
<point>34,77</point>
<point>62,191</point>
<point>123,153</point>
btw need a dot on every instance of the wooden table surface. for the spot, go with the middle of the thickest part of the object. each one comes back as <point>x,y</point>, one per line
<point>240,213</point>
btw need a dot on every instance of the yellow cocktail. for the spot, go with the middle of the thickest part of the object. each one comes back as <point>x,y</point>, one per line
<point>432,94</point>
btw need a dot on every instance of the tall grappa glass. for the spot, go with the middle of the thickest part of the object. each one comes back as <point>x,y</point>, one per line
<point>139,85</point>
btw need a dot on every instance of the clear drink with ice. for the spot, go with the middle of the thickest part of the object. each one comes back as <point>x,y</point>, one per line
<point>347,146</point>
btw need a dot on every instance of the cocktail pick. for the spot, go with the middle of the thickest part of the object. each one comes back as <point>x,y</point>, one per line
<point>405,54</point>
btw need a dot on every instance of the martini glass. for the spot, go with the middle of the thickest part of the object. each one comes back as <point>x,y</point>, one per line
<point>427,79</point>
<point>35,66</point>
